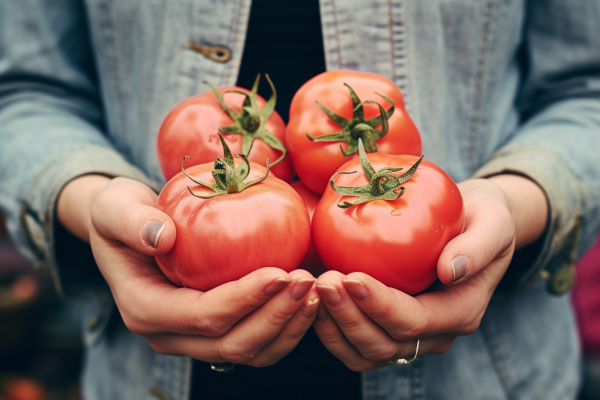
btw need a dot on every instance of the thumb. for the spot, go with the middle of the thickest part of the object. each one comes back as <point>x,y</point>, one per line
<point>125,212</point>
<point>489,235</point>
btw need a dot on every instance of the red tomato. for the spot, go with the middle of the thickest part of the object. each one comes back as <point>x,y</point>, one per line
<point>397,241</point>
<point>224,238</point>
<point>191,129</point>
<point>312,263</point>
<point>315,162</point>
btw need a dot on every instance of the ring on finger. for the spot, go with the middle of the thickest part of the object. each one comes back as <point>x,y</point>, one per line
<point>404,361</point>
<point>222,367</point>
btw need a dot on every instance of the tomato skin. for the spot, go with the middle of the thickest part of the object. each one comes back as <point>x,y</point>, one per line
<point>226,237</point>
<point>191,129</point>
<point>396,242</point>
<point>316,162</point>
<point>312,263</point>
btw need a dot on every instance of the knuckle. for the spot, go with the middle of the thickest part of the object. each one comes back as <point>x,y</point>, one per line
<point>158,347</point>
<point>234,354</point>
<point>328,337</point>
<point>205,326</point>
<point>261,362</point>
<point>360,366</point>
<point>470,328</point>
<point>134,325</point>
<point>443,348</point>
<point>381,354</point>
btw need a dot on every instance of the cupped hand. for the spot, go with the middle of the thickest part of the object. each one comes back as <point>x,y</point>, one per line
<point>366,324</point>
<point>256,320</point>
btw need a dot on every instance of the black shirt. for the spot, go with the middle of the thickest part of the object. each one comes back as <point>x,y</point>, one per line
<point>284,39</point>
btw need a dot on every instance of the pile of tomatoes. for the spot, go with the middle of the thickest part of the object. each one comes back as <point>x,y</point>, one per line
<point>366,200</point>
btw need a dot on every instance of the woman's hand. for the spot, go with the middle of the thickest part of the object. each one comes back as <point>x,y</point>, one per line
<point>366,324</point>
<point>256,320</point>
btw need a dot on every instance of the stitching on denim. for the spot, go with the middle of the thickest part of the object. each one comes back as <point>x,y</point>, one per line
<point>399,48</point>
<point>109,36</point>
<point>337,34</point>
<point>233,40</point>
<point>187,383</point>
<point>498,360</point>
<point>479,85</point>
<point>392,41</point>
<point>417,390</point>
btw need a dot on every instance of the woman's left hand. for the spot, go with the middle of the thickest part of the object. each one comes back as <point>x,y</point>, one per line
<point>366,324</point>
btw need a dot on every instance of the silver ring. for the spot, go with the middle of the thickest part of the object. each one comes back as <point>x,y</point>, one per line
<point>404,361</point>
<point>222,367</point>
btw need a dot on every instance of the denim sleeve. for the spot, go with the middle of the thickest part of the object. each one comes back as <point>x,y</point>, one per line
<point>51,130</point>
<point>558,142</point>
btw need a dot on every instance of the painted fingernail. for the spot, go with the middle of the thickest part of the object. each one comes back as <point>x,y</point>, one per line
<point>330,295</point>
<point>310,308</point>
<point>357,289</point>
<point>460,267</point>
<point>322,315</point>
<point>151,232</point>
<point>301,288</point>
<point>276,286</point>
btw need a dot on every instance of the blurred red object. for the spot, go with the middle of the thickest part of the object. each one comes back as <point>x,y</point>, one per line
<point>24,389</point>
<point>586,299</point>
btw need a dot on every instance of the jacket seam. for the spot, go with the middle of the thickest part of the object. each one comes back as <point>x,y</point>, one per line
<point>337,33</point>
<point>498,360</point>
<point>475,119</point>
<point>234,39</point>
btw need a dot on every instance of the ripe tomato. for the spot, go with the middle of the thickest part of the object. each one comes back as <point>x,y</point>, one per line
<point>315,161</point>
<point>396,241</point>
<point>191,129</point>
<point>312,263</point>
<point>225,237</point>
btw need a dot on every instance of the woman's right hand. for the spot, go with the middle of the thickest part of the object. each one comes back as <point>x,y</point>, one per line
<point>255,321</point>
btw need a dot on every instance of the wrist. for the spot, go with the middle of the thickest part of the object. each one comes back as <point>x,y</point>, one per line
<point>527,204</point>
<point>73,208</point>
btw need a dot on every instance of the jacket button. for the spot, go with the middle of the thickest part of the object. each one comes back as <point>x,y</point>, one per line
<point>94,321</point>
<point>216,53</point>
<point>562,280</point>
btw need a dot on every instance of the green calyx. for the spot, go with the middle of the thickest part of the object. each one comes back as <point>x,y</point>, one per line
<point>250,123</point>
<point>228,179</point>
<point>358,128</point>
<point>383,184</point>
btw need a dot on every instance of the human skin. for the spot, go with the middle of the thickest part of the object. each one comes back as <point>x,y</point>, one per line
<point>255,320</point>
<point>365,323</point>
<point>361,321</point>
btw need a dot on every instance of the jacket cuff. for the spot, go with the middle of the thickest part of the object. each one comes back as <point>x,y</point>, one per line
<point>69,259</point>
<point>554,255</point>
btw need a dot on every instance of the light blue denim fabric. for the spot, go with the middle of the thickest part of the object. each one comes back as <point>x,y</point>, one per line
<point>493,85</point>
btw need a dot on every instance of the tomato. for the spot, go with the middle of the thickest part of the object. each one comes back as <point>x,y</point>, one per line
<point>397,241</point>
<point>192,127</point>
<point>315,161</point>
<point>225,237</point>
<point>312,263</point>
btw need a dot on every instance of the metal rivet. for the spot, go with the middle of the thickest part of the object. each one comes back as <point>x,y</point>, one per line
<point>94,321</point>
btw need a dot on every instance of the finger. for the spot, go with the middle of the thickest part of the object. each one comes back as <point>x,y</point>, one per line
<point>125,211</point>
<point>489,233</point>
<point>291,334</point>
<point>334,340</point>
<point>371,340</point>
<point>455,310</point>
<point>150,307</point>
<point>245,340</point>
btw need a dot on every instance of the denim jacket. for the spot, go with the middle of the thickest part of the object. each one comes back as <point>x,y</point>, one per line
<point>494,86</point>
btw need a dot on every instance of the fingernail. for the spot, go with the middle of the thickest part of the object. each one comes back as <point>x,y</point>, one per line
<point>310,308</point>
<point>357,289</point>
<point>301,288</point>
<point>151,232</point>
<point>276,286</point>
<point>330,295</point>
<point>460,267</point>
<point>322,315</point>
